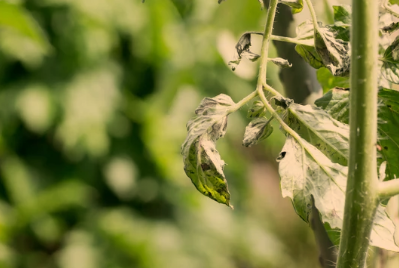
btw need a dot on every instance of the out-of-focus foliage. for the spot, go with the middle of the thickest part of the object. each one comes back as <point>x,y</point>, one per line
<point>94,96</point>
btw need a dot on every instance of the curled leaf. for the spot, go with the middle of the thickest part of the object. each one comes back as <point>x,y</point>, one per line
<point>296,5</point>
<point>257,130</point>
<point>334,53</point>
<point>202,162</point>
<point>283,63</point>
<point>283,102</point>
<point>390,28</point>
<point>242,47</point>
<point>257,109</point>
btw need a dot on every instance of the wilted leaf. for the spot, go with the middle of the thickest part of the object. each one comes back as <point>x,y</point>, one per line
<point>202,162</point>
<point>336,103</point>
<point>318,127</point>
<point>306,172</point>
<point>390,66</point>
<point>310,55</point>
<point>283,102</point>
<point>242,47</point>
<point>283,63</point>
<point>296,5</point>
<point>391,27</point>
<point>257,130</point>
<point>328,81</point>
<point>333,52</point>
<point>257,109</point>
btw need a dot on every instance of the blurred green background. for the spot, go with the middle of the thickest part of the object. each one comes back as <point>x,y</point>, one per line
<point>94,99</point>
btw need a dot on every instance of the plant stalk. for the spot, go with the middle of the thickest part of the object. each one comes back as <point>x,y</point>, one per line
<point>388,189</point>
<point>362,189</point>
<point>271,12</point>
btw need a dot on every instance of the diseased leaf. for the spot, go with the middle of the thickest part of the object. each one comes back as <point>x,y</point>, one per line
<point>257,109</point>
<point>318,127</point>
<point>283,63</point>
<point>390,66</point>
<point>296,5</point>
<point>283,102</point>
<point>341,31</point>
<point>391,27</point>
<point>310,55</point>
<point>305,30</point>
<point>202,162</point>
<point>306,173</point>
<point>256,131</point>
<point>328,81</point>
<point>336,103</point>
<point>334,52</point>
<point>242,47</point>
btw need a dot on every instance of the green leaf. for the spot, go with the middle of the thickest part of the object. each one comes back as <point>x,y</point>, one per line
<point>328,81</point>
<point>310,55</point>
<point>283,63</point>
<point>257,130</point>
<point>318,127</point>
<point>388,130</point>
<point>257,109</point>
<point>333,52</point>
<point>306,173</point>
<point>296,5</point>
<point>390,66</point>
<point>343,13</point>
<point>336,103</point>
<point>393,2</point>
<point>14,17</point>
<point>202,162</point>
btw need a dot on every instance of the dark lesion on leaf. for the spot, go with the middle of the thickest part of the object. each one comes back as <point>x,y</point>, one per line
<point>281,156</point>
<point>205,167</point>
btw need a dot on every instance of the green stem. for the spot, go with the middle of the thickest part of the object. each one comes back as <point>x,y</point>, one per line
<point>271,12</point>
<point>388,189</point>
<point>313,14</point>
<point>241,103</point>
<point>306,42</point>
<point>362,189</point>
